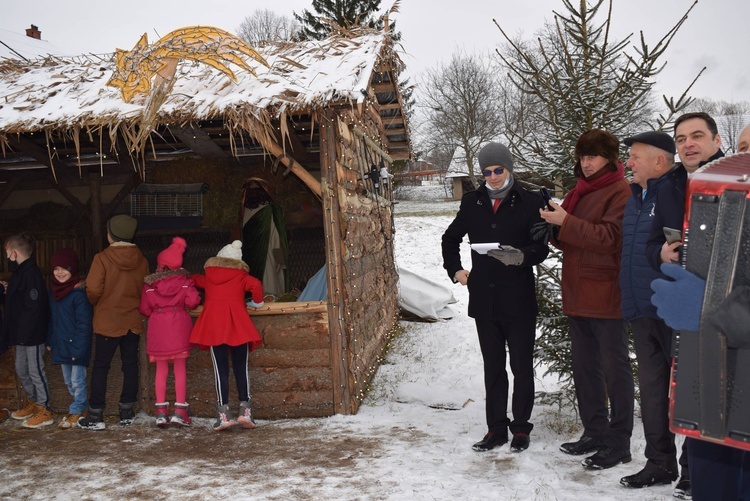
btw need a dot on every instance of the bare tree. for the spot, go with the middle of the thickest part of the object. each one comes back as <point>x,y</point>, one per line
<point>264,26</point>
<point>460,106</point>
<point>731,118</point>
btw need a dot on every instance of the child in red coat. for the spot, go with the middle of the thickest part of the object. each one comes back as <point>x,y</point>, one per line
<point>168,295</point>
<point>225,327</point>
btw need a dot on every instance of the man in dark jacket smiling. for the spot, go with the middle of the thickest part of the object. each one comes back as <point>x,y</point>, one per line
<point>502,296</point>
<point>651,158</point>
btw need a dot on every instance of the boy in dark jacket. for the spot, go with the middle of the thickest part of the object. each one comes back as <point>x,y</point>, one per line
<point>25,321</point>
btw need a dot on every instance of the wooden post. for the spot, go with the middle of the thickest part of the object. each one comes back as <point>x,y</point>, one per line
<point>96,211</point>
<point>336,299</point>
<point>276,150</point>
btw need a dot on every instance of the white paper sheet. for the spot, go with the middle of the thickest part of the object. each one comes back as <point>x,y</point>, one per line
<point>484,248</point>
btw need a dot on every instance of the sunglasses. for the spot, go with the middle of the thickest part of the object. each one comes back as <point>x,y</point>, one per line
<point>488,172</point>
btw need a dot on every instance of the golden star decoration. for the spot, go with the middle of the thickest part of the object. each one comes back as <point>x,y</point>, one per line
<point>215,47</point>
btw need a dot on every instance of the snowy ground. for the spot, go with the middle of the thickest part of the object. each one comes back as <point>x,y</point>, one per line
<point>411,440</point>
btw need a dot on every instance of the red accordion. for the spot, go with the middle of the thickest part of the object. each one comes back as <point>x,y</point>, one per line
<point>710,386</point>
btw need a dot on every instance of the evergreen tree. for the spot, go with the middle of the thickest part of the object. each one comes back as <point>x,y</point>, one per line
<point>574,78</point>
<point>583,79</point>
<point>344,13</point>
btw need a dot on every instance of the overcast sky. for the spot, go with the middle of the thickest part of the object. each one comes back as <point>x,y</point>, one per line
<point>715,35</point>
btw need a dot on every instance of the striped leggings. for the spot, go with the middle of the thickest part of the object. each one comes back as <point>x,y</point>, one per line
<point>220,356</point>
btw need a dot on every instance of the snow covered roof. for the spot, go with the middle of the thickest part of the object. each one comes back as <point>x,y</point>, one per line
<point>22,47</point>
<point>72,92</point>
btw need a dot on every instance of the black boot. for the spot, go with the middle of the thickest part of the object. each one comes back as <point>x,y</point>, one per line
<point>93,420</point>
<point>127,414</point>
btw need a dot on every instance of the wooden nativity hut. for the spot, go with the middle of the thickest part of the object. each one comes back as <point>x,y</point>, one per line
<point>317,123</point>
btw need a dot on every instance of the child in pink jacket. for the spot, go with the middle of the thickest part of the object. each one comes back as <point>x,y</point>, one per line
<point>168,295</point>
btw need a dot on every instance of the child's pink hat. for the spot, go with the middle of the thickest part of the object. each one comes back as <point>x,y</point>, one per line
<point>171,257</point>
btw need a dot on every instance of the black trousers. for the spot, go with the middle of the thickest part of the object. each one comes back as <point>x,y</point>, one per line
<point>653,350</point>
<point>601,369</point>
<point>220,356</point>
<point>519,335</point>
<point>104,352</point>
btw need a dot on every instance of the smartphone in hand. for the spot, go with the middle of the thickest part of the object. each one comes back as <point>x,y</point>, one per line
<point>672,235</point>
<point>546,196</point>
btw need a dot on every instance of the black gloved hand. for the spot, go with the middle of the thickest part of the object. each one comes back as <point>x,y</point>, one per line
<point>540,232</point>
<point>509,256</point>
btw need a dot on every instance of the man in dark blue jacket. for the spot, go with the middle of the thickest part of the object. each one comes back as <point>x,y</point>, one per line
<point>651,158</point>
<point>502,297</point>
<point>698,143</point>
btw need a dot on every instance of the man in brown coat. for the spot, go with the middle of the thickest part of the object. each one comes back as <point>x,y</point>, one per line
<point>590,236</point>
<point>113,286</point>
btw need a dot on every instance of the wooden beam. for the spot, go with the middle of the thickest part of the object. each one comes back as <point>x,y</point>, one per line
<point>342,402</point>
<point>14,181</point>
<point>41,155</point>
<point>95,204</point>
<point>77,204</point>
<point>198,140</point>
<point>276,150</point>
<point>124,191</point>
<point>384,87</point>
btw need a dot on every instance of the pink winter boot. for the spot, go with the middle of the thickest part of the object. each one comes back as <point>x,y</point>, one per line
<point>162,414</point>
<point>181,417</point>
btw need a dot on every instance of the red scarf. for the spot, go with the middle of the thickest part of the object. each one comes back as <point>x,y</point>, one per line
<point>584,187</point>
<point>59,290</point>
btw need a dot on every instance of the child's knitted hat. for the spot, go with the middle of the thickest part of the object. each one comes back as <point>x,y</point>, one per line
<point>232,251</point>
<point>65,258</point>
<point>171,257</point>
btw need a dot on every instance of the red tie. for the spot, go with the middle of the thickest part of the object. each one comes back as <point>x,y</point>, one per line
<point>495,204</point>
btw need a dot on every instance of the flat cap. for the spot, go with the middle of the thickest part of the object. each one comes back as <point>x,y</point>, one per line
<point>659,139</point>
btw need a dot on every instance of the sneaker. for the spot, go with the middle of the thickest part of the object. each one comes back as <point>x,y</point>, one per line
<point>607,458</point>
<point>69,421</point>
<point>93,420</point>
<point>245,416</point>
<point>127,414</point>
<point>162,415</point>
<point>651,474</point>
<point>181,415</point>
<point>490,441</point>
<point>25,413</point>
<point>42,417</point>
<point>683,490</point>
<point>224,420</point>
<point>520,442</point>
<point>582,446</point>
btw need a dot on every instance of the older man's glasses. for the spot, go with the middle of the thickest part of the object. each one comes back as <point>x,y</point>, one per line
<point>489,172</point>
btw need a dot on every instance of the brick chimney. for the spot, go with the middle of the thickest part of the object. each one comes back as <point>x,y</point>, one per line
<point>34,32</point>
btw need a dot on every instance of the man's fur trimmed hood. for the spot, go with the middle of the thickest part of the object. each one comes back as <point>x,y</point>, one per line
<point>226,262</point>
<point>154,277</point>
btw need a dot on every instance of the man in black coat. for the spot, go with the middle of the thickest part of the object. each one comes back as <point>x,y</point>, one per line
<point>502,297</point>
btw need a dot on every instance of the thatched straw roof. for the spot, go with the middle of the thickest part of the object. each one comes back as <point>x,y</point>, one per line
<point>55,93</point>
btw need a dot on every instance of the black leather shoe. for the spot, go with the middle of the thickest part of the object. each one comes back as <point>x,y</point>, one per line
<point>683,489</point>
<point>582,446</point>
<point>650,475</point>
<point>607,458</point>
<point>520,442</point>
<point>490,441</point>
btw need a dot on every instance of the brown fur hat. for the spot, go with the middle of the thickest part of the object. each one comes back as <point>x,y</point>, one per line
<point>597,142</point>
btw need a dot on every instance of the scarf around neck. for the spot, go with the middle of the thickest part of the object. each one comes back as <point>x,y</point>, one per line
<point>502,191</point>
<point>584,187</point>
<point>60,290</point>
